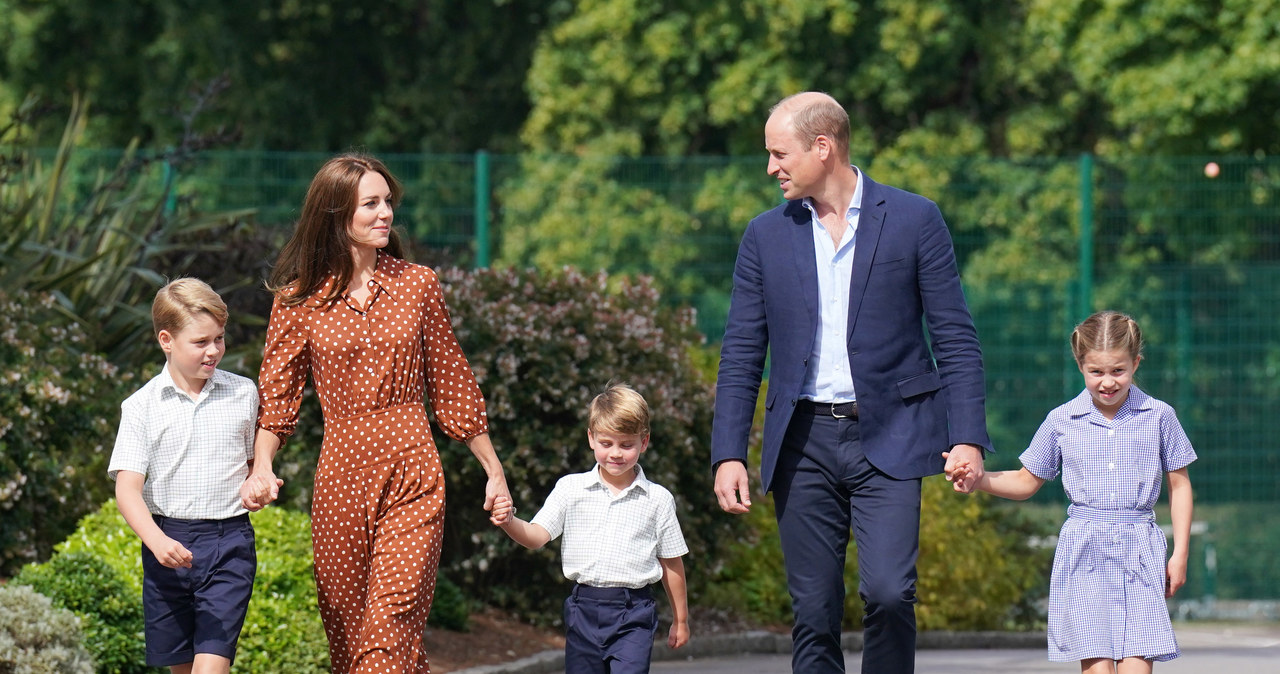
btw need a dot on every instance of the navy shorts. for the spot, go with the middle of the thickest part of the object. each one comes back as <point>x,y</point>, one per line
<point>200,609</point>
<point>609,630</point>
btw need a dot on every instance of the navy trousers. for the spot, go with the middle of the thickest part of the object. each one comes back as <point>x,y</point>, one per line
<point>823,487</point>
<point>609,630</point>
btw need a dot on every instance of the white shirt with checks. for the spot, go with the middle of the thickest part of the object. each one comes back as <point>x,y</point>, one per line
<point>194,453</point>
<point>612,540</point>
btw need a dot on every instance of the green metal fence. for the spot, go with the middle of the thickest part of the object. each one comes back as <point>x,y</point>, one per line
<point>1194,257</point>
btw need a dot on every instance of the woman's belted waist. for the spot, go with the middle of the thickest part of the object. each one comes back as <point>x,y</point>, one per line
<point>1113,516</point>
<point>378,436</point>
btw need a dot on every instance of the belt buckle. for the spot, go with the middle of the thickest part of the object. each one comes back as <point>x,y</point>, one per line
<point>836,414</point>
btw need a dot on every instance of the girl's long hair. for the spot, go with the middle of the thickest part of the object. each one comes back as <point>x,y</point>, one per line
<point>320,246</point>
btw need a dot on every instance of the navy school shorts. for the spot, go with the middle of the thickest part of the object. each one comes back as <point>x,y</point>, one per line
<point>609,630</point>
<point>200,609</point>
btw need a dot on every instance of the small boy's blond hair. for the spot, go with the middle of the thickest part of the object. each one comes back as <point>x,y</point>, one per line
<point>180,300</point>
<point>619,409</point>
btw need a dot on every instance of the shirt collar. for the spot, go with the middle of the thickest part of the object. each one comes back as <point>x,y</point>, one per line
<point>855,203</point>
<point>641,483</point>
<point>168,384</point>
<point>387,272</point>
<point>1082,404</point>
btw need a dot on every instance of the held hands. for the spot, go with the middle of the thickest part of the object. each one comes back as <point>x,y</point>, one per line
<point>259,489</point>
<point>172,554</point>
<point>496,489</point>
<point>503,511</point>
<point>964,467</point>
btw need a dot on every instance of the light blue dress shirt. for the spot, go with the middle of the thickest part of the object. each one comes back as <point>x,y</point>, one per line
<point>830,378</point>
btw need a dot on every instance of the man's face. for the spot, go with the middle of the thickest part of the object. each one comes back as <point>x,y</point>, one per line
<point>797,168</point>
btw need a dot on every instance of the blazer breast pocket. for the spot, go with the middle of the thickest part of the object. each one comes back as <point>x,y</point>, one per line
<point>889,265</point>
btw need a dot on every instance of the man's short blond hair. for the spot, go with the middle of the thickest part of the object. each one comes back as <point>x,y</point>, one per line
<point>181,300</point>
<point>619,409</point>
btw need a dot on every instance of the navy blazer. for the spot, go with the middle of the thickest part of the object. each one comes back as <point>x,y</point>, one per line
<point>911,406</point>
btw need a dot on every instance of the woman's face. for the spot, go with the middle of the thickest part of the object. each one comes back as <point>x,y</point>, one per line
<point>371,223</point>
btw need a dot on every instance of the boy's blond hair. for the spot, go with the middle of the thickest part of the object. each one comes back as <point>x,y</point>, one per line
<point>180,300</point>
<point>619,409</point>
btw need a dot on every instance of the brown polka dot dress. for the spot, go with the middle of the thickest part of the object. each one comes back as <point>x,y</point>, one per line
<point>377,514</point>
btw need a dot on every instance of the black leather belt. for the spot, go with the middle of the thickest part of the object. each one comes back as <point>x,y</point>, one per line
<point>837,410</point>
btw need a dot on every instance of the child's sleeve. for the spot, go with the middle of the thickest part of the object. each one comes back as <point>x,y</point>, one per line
<point>1044,455</point>
<point>1176,451</point>
<point>671,541</point>
<point>250,429</point>
<point>130,451</point>
<point>551,516</point>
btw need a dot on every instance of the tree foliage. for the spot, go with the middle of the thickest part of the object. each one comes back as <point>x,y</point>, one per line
<point>943,77</point>
<point>432,75</point>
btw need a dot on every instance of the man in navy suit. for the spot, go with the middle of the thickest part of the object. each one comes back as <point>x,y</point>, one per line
<point>875,371</point>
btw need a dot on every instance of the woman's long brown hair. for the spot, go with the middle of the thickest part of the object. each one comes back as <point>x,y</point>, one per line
<point>320,246</point>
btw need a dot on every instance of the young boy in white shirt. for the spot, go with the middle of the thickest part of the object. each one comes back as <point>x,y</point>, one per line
<point>620,535</point>
<point>180,464</point>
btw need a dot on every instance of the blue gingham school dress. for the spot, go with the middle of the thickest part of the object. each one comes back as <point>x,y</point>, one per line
<point>1106,595</point>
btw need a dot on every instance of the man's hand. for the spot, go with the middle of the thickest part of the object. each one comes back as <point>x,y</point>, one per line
<point>964,467</point>
<point>733,489</point>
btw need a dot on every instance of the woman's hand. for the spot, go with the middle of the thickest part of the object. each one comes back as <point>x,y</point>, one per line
<point>503,511</point>
<point>494,489</point>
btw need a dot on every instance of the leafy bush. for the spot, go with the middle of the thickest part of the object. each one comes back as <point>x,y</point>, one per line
<point>450,609</point>
<point>979,569</point>
<point>109,609</point>
<point>39,638</point>
<point>58,411</point>
<point>36,637</point>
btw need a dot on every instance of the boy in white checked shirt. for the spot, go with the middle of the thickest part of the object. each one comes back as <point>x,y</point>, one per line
<point>620,535</point>
<point>180,463</point>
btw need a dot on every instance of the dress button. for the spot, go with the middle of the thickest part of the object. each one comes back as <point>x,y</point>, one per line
<point>1111,466</point>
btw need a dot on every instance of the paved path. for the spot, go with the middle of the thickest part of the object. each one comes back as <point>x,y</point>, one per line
<point>1252,648</point>
<point>1247,649</point>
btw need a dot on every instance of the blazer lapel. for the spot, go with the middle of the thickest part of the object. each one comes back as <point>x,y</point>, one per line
<point>802,248</point>
<point>870,223</point>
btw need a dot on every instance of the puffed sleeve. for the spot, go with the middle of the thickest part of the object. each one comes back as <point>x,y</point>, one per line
<point>286,360</point>
<point>452,390</point>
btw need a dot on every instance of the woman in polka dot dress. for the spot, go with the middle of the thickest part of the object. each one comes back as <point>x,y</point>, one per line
<point>1113,442</point>
<point>373,333</point>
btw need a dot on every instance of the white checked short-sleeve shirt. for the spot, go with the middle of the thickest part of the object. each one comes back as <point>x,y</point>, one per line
<point>194,453</point>
<point>612,540</point>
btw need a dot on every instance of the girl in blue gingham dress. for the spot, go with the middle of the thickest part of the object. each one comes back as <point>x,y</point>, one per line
<point>1110,579</point>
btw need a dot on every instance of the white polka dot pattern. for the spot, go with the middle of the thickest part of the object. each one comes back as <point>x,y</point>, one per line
<point>377,514</point>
